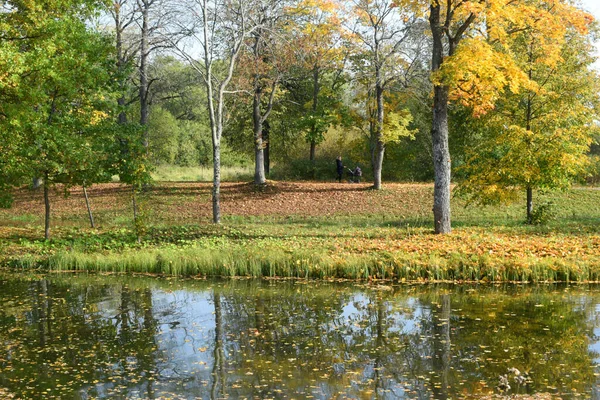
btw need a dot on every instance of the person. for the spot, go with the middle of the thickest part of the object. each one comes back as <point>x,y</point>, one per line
<point>340,168</point>
<point>357,173</point>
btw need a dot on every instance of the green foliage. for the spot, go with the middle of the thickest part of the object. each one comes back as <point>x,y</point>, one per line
<point>129,156</point>
<point>164,136</point>
<point>179,132</point>
<point>194,145</point>
<point>302,169</point>
<point>6,198</point>
<point>57,117</point>
<point>543,214</point>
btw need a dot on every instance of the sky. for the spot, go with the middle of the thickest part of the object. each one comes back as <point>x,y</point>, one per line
<point>593,6</point>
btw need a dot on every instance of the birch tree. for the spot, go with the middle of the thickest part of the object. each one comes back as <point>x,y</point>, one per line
<point>217,32</point>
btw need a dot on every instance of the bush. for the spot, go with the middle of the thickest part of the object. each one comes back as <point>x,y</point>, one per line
<point>592,175</point>
<point>302,169</point>
<point>320,170</point>
<point>543,214</point>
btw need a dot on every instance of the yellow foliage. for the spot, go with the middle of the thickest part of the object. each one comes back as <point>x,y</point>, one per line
<point>97,117</point>
<point>485,64</point>
<point>395,126</point>
<point>479,84</point>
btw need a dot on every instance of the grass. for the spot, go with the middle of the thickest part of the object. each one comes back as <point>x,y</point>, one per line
<point>308,230</point>
<point>173,173</point>
<point>235,260</point>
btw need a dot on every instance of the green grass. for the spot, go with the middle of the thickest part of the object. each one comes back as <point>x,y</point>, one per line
<point>173,173</point>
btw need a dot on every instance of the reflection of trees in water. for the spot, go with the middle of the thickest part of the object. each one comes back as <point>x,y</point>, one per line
<point>460,342</point>
<point>325,341</point>
<point>281,338</point>
<point>535,330</point>
<point>59,343</point>
<point>290,339</point>
<point>218,371</point>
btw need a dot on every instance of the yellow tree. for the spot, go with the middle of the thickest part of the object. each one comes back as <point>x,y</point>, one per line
<point>473,61</point>
<point>538,138</point>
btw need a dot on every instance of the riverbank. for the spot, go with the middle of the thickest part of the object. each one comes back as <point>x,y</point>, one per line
<point>304,230</point>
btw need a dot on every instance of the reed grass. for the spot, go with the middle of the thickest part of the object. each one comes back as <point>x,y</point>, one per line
<point>240,261</point>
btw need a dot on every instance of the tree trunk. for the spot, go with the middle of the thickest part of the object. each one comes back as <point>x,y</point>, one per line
<point>143,71</point>
<point>529,205</point>
<point>37,183</point>
<point>122,117</point>
<point>441,161</point>
<point>439,131</point>
<point>266,135</point>
<point>133,200</point>
<point>259,168</point>
<point>313,149</point>
<point>216,195</point>
<point>315,105</point>
<point>372,145</point>
<point>89,209</point>
<point>379,145</point>
<point>121,63</point>
<point>135,212</point>
<point>47,208</point>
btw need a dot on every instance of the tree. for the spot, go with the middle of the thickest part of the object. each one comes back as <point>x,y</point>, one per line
<point>63,96</point>
<point>320,50</point>
<point>539,137</point>
<point>153,15</point>
<point>219,28</point>
<point>62,136</point>
<point>472,63</point>
<point>264,65</point>
<point>383,33</point>
<point>124,14</point>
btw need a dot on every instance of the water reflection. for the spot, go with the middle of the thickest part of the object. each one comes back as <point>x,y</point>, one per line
<point>117,337</point>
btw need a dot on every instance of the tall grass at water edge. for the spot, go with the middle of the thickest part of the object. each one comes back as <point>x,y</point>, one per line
<point>243,262</point>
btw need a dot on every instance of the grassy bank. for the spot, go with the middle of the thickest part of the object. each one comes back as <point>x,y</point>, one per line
<point>306,230</point>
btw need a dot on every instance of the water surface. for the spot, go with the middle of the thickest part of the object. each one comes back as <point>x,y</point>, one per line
<point>85,337</point>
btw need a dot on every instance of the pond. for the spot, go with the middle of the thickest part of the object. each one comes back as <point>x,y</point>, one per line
<point>119,337</point>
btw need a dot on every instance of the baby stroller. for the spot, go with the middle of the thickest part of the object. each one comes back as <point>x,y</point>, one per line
<point>355,174</point>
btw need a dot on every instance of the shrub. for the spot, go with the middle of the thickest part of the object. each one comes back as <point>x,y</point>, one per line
<point>543,214</point>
